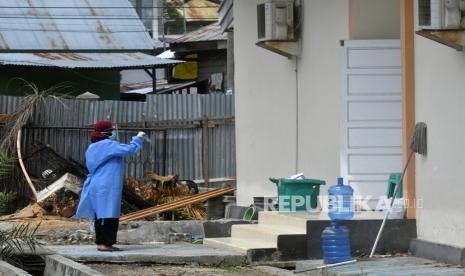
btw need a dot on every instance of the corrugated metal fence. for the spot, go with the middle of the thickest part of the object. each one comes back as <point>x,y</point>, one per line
<point>174,124</point>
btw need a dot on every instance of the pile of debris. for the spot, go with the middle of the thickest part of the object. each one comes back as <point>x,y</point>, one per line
<point>61,181</point>
<point>157,190</point>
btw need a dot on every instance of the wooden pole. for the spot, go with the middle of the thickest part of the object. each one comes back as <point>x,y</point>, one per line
<point>408,98</point>
<point>21,164</point>
<point>205,163</point>
<point>177,204</point>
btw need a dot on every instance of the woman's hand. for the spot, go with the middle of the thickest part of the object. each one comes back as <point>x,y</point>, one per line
<point>141,134</point>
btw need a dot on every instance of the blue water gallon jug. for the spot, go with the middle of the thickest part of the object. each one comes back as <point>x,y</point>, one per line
<point>336,244</point>
<point>341,201</point>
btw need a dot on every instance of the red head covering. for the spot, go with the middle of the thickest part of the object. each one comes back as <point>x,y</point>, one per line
<point>102,131</point>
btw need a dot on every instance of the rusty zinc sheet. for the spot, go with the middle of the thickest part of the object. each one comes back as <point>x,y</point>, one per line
<point>199,10</point>
<point>51,25</point>
<point>212,32</point>
<point>85,60</point>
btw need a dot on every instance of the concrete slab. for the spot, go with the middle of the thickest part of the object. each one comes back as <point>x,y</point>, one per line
<point>153,231</point>
<point>59,265</point>
<point>154,253</point>
<point>221,228</point>
<point>7,269</point>
<point>439,252</point>
<point>274,271</point>
<point>396,236</point>
<point>384,266</point>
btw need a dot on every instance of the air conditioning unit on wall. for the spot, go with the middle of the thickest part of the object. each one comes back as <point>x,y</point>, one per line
<point>275,20</point>
<point>441,14</point>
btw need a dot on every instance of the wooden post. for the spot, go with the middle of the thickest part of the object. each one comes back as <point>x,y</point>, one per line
<point>21,164</point>
<point>351,18</point>
<point>230,62</point>
<point>408,98</point>
<point>205,164</point>
<point>165,151</point>
<point>154,80</point>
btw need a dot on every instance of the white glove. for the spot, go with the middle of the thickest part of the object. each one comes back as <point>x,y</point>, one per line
<point>141,134</point>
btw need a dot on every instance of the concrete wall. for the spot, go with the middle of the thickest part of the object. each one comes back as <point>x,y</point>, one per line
<point>267,89</point>
<point>439,96</point>
<point>375,19</point>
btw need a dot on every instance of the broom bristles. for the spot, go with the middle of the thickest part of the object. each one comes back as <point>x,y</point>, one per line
<point>418,143</point>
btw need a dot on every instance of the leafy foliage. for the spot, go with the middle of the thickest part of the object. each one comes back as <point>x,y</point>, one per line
<point>35,99</point>
<point>174,19</point>
<point>7,163</point>
<point>14,241</point>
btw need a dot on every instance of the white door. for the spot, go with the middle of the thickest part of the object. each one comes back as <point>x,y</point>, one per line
<point>371,144</point>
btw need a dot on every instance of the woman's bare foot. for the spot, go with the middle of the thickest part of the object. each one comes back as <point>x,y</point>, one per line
<point>102,247</point>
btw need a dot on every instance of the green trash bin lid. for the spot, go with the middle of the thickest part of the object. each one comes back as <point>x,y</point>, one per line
<point>307,188</point>
<point>305,181</point>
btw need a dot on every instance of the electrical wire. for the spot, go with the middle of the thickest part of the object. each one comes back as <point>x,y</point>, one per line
<point>111,7</point>
<point>92,17</point>
<point>73,31</point>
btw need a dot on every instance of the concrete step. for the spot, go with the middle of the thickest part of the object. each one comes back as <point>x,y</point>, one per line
<point>237,244</point>
<point>299,219</point>
<point>283,220</point>
<point>263,233</point>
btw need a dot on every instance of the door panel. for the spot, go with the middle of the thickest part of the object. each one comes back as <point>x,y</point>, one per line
<point>374,111</point>
<point>371,140</point>
<point>374,137</point>
<point>373,84</point>
<point>370,57</point>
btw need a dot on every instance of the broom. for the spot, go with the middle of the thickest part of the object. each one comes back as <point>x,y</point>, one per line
<point>418,145</point>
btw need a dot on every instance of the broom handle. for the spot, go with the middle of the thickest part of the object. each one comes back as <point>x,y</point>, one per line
<point>21,164</point>
<point>390,207</point>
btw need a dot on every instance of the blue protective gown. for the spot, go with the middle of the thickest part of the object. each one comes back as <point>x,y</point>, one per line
<point>101,194</point>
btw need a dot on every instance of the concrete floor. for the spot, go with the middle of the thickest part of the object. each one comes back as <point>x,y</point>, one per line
<point>182,253</point>
<point>169,270</point>
<point>391,266</point>
<point>201,255</point>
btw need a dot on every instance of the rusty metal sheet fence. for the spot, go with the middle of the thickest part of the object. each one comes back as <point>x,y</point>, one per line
<point>173,124</point>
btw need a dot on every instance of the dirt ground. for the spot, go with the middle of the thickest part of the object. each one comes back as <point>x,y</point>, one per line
<point>164,270</point>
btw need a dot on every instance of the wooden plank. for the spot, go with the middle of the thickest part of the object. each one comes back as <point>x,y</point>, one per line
<point>408,98</point>
<point>351,20</point>
<point>205,152</point>
<point>177,204</point>
<point>451,38</point>
<point>288,49</point>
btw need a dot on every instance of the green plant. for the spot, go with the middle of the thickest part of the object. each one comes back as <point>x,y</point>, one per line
<point>174,19</point>
<point>7,200</point>
<point>7,163</point>
<point>14,241</point>
<point>28,106</point>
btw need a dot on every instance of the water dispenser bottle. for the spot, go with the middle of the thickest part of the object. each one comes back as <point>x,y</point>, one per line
<point>340,203</point>
<point>336,244</point>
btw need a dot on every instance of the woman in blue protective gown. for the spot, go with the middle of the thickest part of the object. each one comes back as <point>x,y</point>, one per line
<point>101,195</point>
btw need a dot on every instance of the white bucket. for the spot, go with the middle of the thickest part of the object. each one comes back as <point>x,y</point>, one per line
<point>398,209</point>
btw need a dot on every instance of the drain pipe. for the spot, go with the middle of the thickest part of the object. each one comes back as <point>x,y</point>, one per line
<point>297,130</point>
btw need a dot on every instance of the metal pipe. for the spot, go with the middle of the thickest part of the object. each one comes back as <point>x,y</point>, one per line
<point>325,266</point>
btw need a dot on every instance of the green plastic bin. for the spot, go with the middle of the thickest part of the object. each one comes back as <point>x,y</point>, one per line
<point>307,188</point>
<point>394,178</point>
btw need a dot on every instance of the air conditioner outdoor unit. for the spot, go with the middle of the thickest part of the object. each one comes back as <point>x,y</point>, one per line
<point>275,20</point>
<point>441,14</point>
